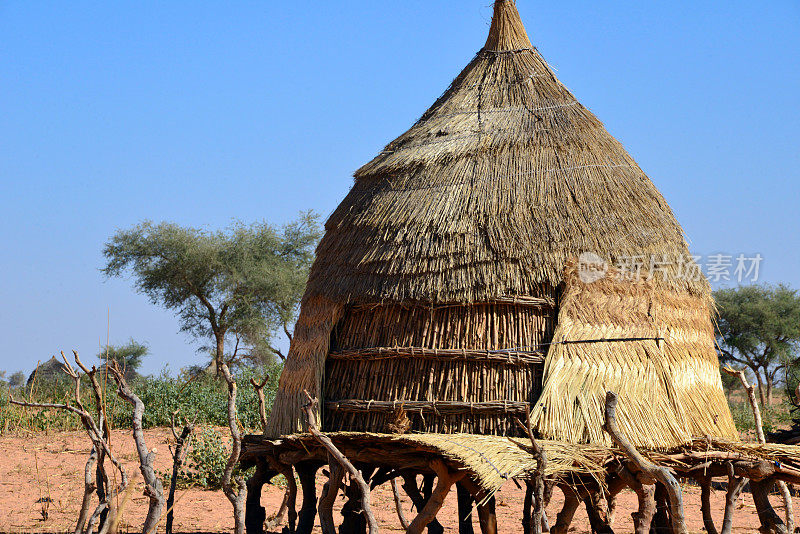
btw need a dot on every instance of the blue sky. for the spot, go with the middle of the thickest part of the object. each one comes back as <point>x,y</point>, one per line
<point>205,112</point>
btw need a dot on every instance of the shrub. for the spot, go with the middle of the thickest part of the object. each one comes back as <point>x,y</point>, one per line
<point>772,417</point>
<point>207,458</point>
<point>202,397</point>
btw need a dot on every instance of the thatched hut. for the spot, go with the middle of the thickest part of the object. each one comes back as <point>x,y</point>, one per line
<point>446,282</point>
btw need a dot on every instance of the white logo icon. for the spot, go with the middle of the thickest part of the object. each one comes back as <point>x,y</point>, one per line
<point>591,267</point>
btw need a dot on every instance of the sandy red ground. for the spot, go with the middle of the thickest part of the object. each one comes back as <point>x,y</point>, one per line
<point>44,466</point>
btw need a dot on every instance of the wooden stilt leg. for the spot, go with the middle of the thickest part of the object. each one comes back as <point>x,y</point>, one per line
<point>564,519</point>
<point>353,521</point>
<point>419,501</point>
<point>643,517</point>
<point>771,523</point>
<point>661,522</point>
<point>527,507</point>
<point>444,482</point>
<point>615,485</point>
<point>596,510</point>
<point>464,510</point>
<point>306,472</point>
<point>486,511</point>
<point>329,493</point>
<point>398,505</point>
<point>488,517</point>
<point>548,494</point>
<point>255,514</point>
<point>290,498</point>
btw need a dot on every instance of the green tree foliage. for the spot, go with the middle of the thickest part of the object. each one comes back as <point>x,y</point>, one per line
<point>759,328</point>
<point>16,379</point>
<point>240,285</point>
<point>128,357</point>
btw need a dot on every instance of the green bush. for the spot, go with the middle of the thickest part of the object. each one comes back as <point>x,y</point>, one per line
<point>207,459</point>
<point>208,455</point>
<point>772,417</point>
<point>202,397</point>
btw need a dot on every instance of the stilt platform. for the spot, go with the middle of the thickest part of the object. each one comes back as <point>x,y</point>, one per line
<point>479,465</point>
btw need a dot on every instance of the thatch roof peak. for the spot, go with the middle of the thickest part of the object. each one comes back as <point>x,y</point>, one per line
<point>507,31</point>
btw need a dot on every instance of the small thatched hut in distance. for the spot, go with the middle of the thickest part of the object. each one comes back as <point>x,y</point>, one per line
<point>444,281</point>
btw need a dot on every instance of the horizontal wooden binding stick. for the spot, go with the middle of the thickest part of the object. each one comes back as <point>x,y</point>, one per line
<point>502,356</point>
<point>534,302</point>
<point>435,407</point>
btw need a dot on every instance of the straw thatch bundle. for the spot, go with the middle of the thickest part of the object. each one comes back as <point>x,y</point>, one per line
<point>668,379</point>
<point>439,277</point>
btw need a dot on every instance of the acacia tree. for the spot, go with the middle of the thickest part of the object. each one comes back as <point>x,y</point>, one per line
<point>128,357</point>
<point>239,285</point>
<point>17,379</point>
<point>759,328</point>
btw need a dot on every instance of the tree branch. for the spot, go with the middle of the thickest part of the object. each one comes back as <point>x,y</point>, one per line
<point>154,489</point>
<point>277,352</point>
<point>262,410</point>
<point>287,332</point>
<point>650,471</point>
<point>237,493</point>
<point>335,453</point>
<point>178,455</point>
<point>100,445</point>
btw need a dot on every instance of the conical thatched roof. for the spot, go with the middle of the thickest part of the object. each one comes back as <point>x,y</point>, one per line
<point>503,180</point>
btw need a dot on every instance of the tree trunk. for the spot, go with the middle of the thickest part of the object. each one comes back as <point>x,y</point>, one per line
<point>760,383</point>
<point>234,489</point>
<point>769,390</point>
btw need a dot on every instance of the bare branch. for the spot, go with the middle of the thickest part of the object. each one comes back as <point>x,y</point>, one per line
<point>277,352</point>
<point>178,455</point>
<point>88,488</point>
<point>262,409</point>
<point>650,471</point>
<point>334,452</point>
<point>154,489</point>
<point>287,332</point>
<point>100,446</point>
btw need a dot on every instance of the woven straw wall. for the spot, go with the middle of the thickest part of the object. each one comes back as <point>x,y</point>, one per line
<point>451,368</point>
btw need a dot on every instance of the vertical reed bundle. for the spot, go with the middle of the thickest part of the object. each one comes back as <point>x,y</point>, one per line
<point>418,332</point>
